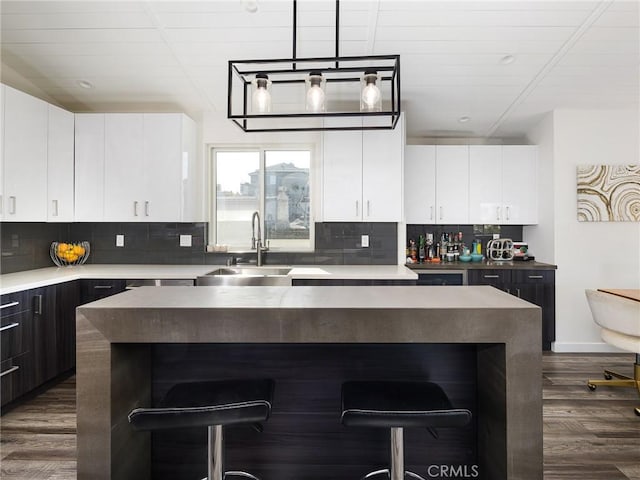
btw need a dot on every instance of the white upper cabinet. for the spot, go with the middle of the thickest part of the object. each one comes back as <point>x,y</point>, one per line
<point>362,175</point>
<point>24,158</point>
<point>420,184</point>
<point>485,184</point>
<point>60,169</point>
<point>452,184</point>
<point>124,168</point>
<point>141,165</point>
<point>520,184</point>
<point>2,199</point>
<point>503,184</point>
<point>89,167</point>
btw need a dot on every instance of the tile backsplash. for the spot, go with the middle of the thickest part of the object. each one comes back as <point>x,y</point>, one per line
<point>25,246</point>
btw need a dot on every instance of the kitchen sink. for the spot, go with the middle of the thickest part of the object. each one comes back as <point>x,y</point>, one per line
<point>246,276</point>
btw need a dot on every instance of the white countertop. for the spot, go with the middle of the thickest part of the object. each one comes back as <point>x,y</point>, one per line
<point>15,282</point>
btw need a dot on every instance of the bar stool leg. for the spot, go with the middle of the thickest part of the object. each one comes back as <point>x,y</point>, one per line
<point>215,470</point>
<point>397,454</point>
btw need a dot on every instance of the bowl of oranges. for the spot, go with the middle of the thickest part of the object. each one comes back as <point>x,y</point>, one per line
<point>64,254</point>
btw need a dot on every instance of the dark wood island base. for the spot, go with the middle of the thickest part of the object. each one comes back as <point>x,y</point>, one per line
<point>480,344</point>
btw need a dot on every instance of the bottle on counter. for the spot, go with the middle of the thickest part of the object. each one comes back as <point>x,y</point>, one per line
<point>421,248</point>
<point>413,251</point>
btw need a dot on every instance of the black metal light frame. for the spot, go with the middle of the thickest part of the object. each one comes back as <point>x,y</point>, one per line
<point>294,70</point>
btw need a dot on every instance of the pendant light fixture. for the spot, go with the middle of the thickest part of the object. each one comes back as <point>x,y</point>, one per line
<point>371,98</point>
<point>319,93</point>
<point>315,92</point>
<point>261,98</point>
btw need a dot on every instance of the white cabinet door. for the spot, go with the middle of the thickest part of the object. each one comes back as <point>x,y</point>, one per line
<point>25,157</point>
<point>420,184</point>
<point>192,178</point>
<point>89,167</point>
<point>124,171</point>
<point>162,169</point>
<point>342,176</point>
<point>519,184</point>
<point>485,184</point>
<point>382,174</point>
<point>452,180</point>
<point>60,168</point>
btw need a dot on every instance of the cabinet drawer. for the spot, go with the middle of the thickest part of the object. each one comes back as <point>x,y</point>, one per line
<point>16,377</point>
<point>488,276</point>
<point>533,276</point>
<point>14,335</point>
<point>92,290</point>
<point>13,303</point>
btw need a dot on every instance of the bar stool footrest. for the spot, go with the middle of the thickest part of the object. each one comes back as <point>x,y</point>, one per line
<point>387,474</point>
<point>235,473</point>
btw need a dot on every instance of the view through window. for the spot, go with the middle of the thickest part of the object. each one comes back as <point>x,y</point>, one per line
<point>274,182</point>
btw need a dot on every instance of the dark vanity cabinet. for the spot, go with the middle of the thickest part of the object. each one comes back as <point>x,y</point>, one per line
<point>535,286</point>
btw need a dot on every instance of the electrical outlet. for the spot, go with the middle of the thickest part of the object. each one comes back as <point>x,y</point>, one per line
<point>185,240</point>
<point>119,240</point>
<point>364,240</point>
<point>496,236</point>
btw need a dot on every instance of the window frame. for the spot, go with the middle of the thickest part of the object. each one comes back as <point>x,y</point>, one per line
<point>261,149</point>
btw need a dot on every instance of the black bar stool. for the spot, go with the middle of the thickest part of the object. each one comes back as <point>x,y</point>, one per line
<point>212,404</point>
<point>397,405</point>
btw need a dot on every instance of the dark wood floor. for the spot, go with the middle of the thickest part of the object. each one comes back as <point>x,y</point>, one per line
<point>587,435</point>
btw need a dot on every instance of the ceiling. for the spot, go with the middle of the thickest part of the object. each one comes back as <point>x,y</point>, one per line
<point>172,55</point>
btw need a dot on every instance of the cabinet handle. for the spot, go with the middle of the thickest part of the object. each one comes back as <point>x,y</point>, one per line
<point>491,276</point>
<point>507,212</point>
<point>497,213</point>
<point>55,207</point>
<point>12,205</point>
<point>135,208</point>
<point>146,208</point>
<point>11,370</point>
<point>7,305</point>
<point>357,210</point>
<point>37,304</point>
<point>9,327</point>
<point>440,213</point>
<point>431,214</point>
<point>102,287</point>
<point>368,209</point>
<point>1,204</point>
<point>534,277</point>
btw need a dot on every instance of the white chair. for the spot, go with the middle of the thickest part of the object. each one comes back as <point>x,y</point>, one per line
<point>619,319</point>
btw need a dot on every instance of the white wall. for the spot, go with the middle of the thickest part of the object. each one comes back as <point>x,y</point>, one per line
<point>588,254</point>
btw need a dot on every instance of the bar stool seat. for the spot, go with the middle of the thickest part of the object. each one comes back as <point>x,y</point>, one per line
<point>396,405</point>
<point>213,404</point>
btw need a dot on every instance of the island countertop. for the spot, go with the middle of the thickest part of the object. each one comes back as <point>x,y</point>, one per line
<point>116,336</point>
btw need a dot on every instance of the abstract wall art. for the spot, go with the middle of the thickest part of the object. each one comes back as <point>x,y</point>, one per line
<point>608,193</point>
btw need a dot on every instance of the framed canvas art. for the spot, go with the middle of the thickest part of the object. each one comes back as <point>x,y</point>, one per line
<point>608,193</point>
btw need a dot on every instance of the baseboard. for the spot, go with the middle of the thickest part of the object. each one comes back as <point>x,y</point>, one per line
<point>586,347</point>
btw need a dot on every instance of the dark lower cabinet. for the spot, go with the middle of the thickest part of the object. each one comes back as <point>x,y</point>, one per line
<point>67,299</point>
<point>305,282</point>
<point>38,332</point>
<point>92,290</point>
<point>535,286</point>
<point>16,338</point>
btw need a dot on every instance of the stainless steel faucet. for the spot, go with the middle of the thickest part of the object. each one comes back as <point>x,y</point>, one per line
<point>257,242</point>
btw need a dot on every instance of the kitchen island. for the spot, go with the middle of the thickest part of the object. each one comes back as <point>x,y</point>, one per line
<point>122,342</point>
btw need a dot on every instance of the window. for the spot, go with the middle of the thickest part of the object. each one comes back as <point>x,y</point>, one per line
<point>273,182</point>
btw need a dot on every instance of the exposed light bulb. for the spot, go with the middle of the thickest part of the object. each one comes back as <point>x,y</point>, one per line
<point>261,98</point>
<point>371,96</point>
<point>315,93</point>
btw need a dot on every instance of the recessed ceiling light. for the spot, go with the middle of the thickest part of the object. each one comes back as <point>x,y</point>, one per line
<point>84,84</point>
<point>507,60</point>
<point>250,6</point>
<point>464,119</point>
